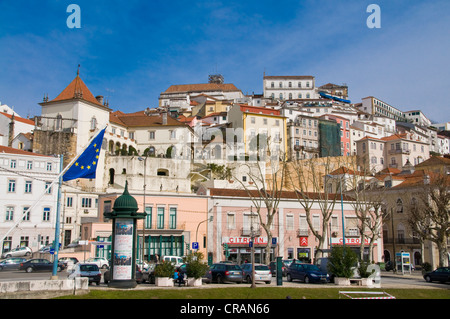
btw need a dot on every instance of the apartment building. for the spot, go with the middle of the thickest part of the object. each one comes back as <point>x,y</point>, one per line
<point>28,204</point>
<point>375,106</point>
<point>258,126</point>
<point>283,88</point>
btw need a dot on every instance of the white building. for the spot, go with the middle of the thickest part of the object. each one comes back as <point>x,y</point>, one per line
<point>280,87</point>
<point>24,178</point>
<point>11,126</point>
<point>375,106</point>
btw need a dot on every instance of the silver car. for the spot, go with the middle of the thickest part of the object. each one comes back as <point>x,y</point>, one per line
<point>18,252</point>
<point>262,273</point>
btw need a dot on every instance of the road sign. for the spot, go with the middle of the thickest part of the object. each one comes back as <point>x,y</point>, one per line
<point>195,245</point>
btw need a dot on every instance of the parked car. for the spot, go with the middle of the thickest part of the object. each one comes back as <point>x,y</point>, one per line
<point>307,273</point>
<point>176,260</point>
<point>18,252</point>
<point>262,273</point>
<point>140,276</point>
<point>273,268</point>
<point>11,263</point>
<point>40,265</point>
<point>99,261</point>
<point>323,264</point>
<point>441,274</point>
<point>90,271</point>
<point>68,260</point>
<point>221,273</point>
<point>389,266</point>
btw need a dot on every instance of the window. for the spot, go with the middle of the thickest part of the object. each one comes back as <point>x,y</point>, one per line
<point>11,186</point>
<point>46,214</point>
<point>48,187</point>
<point>9,213</point>
<point>316,222</point>
<point>160,218</point>
<point>231,221</point>
<point>173,134</point>
<point>29,164</point>
<point>265,121</point>
<point>252,120</point>
<point>93,123</point>
<point>151,135</point>
<point>131,135</point>
<point>289,222</point>
<point>49,166</point>
<point>69,202</point>
<point>399,206</point>
<point>13,164</point>
<point>86,202</point>
<point>148,217</point>
<point>28,186</point>
<point>172,217</point>
<point>27,215</point>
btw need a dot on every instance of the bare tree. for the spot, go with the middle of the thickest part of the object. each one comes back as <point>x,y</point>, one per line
<point>308,178</point>
<point>429,213</point>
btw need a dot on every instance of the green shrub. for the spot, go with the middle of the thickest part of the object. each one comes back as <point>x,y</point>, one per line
<point>341,261</point>
<point>195,268</point>
<point>165,269</point>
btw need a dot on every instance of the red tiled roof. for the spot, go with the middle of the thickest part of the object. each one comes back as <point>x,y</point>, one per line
<point>74,89</point>
<point>10,150</point>
<point>139,119</point>
<point>18,118</point>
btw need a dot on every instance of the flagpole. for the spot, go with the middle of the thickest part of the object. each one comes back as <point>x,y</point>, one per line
<point>52,183</point>
<point>57,228</point>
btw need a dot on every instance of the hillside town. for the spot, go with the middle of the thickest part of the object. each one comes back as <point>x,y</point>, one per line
<point>296,169</point>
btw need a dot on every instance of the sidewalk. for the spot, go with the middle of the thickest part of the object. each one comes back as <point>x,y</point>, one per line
<point>416,274</point>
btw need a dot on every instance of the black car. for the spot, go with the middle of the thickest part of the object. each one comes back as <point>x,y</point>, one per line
<point>221,273</point>
<point>11,263</point>
<point>441,274</point>
<point>40,265</point>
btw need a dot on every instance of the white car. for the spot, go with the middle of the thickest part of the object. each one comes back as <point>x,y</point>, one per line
<point>99,261</point>
<point>18,252</point>
<point>262,273</point>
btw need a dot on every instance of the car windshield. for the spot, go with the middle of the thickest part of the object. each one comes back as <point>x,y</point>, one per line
<point>88,267</point>
<point>311,268</point>
<point>233,267</point>
<point>261,267</point>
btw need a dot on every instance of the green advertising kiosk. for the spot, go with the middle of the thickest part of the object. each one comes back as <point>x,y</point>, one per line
<point>124,217</point>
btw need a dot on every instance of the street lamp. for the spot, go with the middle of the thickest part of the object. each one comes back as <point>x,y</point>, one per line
<point>143,224</point>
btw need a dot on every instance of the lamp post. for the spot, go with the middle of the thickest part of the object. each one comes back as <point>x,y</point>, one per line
<point>143,224</point>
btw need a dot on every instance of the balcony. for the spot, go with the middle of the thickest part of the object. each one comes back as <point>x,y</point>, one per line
<point>248,232</point>
<point>399,151</point>
<point>303,232</point>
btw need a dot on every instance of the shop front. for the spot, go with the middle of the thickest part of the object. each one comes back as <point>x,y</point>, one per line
<point>240,250</point>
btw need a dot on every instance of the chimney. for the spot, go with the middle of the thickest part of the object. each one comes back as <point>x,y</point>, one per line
<point>99,99</point>
<point>11,131</point>
<point>164,118</point>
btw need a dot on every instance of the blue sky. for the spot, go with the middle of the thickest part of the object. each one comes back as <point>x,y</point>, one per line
<point>131,51</point>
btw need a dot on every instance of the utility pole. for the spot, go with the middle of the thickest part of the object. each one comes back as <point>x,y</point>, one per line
<point>253,247</point>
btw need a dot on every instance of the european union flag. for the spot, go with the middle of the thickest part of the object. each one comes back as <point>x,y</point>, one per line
<point>86,164</point>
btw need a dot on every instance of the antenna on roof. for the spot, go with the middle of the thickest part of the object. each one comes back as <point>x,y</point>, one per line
<point>78,70</point>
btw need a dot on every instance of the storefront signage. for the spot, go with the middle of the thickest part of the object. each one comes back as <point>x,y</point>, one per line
<point>350,241</point>
<point>303,241</point>
<point>244,240</point>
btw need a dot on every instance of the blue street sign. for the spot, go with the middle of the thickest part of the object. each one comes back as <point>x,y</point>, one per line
<point>250,244</point>
<point>195,245</point>
<point>52,251</point>
<point>274,240</point>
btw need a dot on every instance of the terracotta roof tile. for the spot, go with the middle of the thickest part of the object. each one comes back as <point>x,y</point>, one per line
<point>77,89</point>
<point>10,150</point>
<point>18,118</point>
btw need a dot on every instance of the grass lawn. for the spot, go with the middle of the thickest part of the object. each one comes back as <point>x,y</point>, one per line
<point>257,293</point>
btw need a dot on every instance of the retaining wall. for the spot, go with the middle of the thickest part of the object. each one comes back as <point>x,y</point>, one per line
<point>43,289</point>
